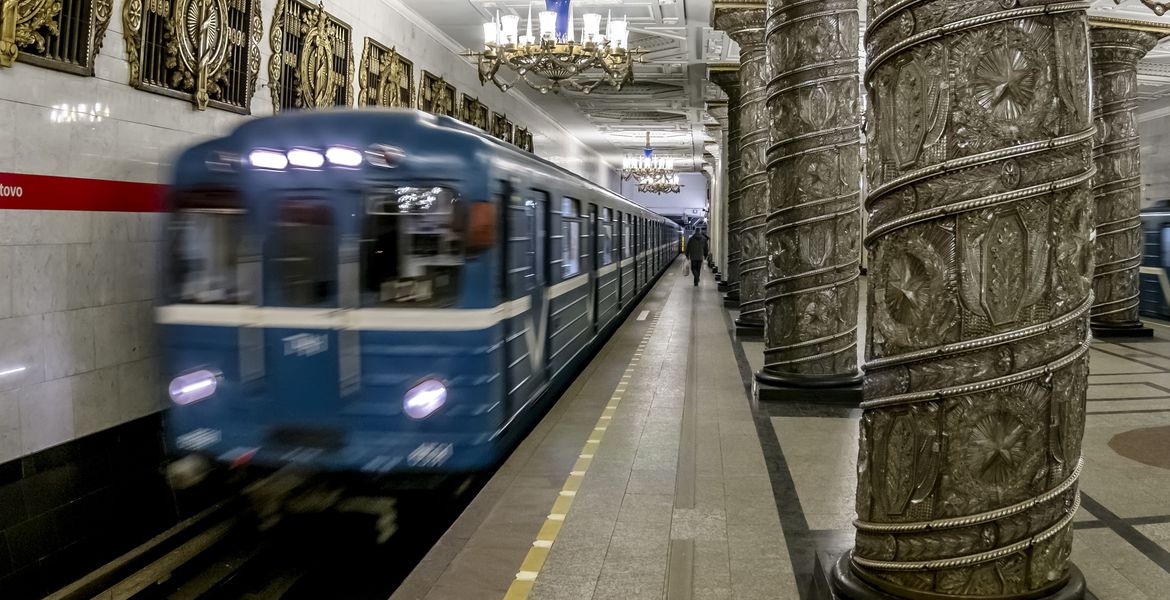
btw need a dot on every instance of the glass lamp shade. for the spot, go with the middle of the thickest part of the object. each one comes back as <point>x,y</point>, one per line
<point>510,25</point>
<point>617,34</point>
<point>548,24</point>
<point>592,32</point>
<point>490,33</point>
<point>561,9</point>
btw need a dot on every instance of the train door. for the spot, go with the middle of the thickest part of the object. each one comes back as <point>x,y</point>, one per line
<point>618,255</point>
<point>302,269</point>
<point>594,264</point>
<point>529,276</point>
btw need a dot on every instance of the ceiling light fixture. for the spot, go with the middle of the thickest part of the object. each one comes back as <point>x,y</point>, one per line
<point>664,185</point>
<point>555,58</point>
<point>647,166</point>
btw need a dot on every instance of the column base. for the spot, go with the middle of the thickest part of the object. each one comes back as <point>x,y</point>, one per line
<point>749,329</point>
<point>828,389</point>
<point>839,582</point>
<point>1136,329</point>
<point>731,300</point>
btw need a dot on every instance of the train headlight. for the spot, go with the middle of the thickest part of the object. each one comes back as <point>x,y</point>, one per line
<point>267,159</point>
<point>423,399</point>
<point>305,159</point>
<point>344,157</point>
<point>193,387</point>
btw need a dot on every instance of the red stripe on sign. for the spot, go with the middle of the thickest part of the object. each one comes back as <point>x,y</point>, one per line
<point>44,192</point>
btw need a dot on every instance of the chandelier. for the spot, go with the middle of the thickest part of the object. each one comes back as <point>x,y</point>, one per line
<point>556,58</point>
<point>660,185</point>
<point>1159,8</point>
<point>647,166</point>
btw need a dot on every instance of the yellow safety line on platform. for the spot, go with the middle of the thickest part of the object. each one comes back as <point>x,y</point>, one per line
<point>533,562</point>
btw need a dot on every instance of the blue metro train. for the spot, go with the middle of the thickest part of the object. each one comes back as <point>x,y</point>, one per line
<point>385,292</point>
<point>1154,284</point>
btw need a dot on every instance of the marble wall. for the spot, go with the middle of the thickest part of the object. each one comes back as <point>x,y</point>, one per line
<point>76,288</point>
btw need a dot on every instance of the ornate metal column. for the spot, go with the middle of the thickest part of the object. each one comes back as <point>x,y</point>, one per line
<point>814,189</point>
<point>1117,185</point>
<point>727,78</point>
<point>980,205</point>
<point>746,27</point>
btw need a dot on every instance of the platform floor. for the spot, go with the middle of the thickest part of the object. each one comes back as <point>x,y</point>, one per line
<point>657,476</point>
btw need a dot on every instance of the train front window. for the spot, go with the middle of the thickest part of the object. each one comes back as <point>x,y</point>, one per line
<point>205,238</point>
<point>306,246</point>
<point>411,248</point>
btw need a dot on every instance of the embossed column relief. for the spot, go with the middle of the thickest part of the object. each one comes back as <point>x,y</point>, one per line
<point>728,81</point>
<point>1117,185</point>
<point>814,180</point>
<point>746,27</point>
<point>979,161</point>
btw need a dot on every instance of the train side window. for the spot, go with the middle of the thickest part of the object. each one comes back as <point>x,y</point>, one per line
<point>1166,247</point>
<point>571,230</point>
<point>411,249</point>
<point>606,237</point>
<point>306,253</point>
<point>205,236</point>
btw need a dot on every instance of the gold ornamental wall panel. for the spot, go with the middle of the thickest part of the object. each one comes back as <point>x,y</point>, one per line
<point>523,139</point>
<point>436,96</point>
<point>205,51</point>
<point>501,127</point>
<point>64,35</point>
<point>385,77</point>
<point>312,58</point>
<point>474,112</point>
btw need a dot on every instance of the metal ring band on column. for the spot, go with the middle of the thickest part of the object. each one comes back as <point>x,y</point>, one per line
<point>1130,302</point>
<point>811,82</point>
<point>850,347</point>
<point>774,160</point>
<point>983,343</point>
<point>976,160</point>
<point>774,28</point>
<point>976,519</point>
<point>1043,189</point>
<point>1124,224</point>
<point>981,386</point>
<point>971,559</point>
<point>844,267</point>
<point>885,15</point>
<point>1120,265</point>
<point>988,19</point>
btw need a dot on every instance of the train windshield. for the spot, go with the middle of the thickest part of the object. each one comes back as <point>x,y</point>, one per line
<point>205,248</point>
<point>411,248</point>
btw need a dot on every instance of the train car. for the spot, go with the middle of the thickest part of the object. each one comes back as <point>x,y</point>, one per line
<point>1155,285</point>
<point>385,292</point>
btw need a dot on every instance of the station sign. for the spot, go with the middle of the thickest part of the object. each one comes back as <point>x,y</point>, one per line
<point>46,192</point>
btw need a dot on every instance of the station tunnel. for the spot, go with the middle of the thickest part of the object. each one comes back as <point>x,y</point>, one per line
<point>734,299</point>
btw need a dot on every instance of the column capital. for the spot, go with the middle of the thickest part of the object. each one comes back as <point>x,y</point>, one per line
<point>743,22</point>
<point>727,78</point>
<point>1114,41</point>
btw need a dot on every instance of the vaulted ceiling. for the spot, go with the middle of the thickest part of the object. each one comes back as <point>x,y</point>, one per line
<point>671,97</point>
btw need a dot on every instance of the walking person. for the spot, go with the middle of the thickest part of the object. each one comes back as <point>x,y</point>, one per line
<point>697,253</point>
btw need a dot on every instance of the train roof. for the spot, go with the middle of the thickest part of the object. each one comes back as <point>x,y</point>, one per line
<point>383,125</point>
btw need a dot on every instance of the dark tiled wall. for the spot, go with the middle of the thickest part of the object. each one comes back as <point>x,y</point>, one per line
<point>69,509</point>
